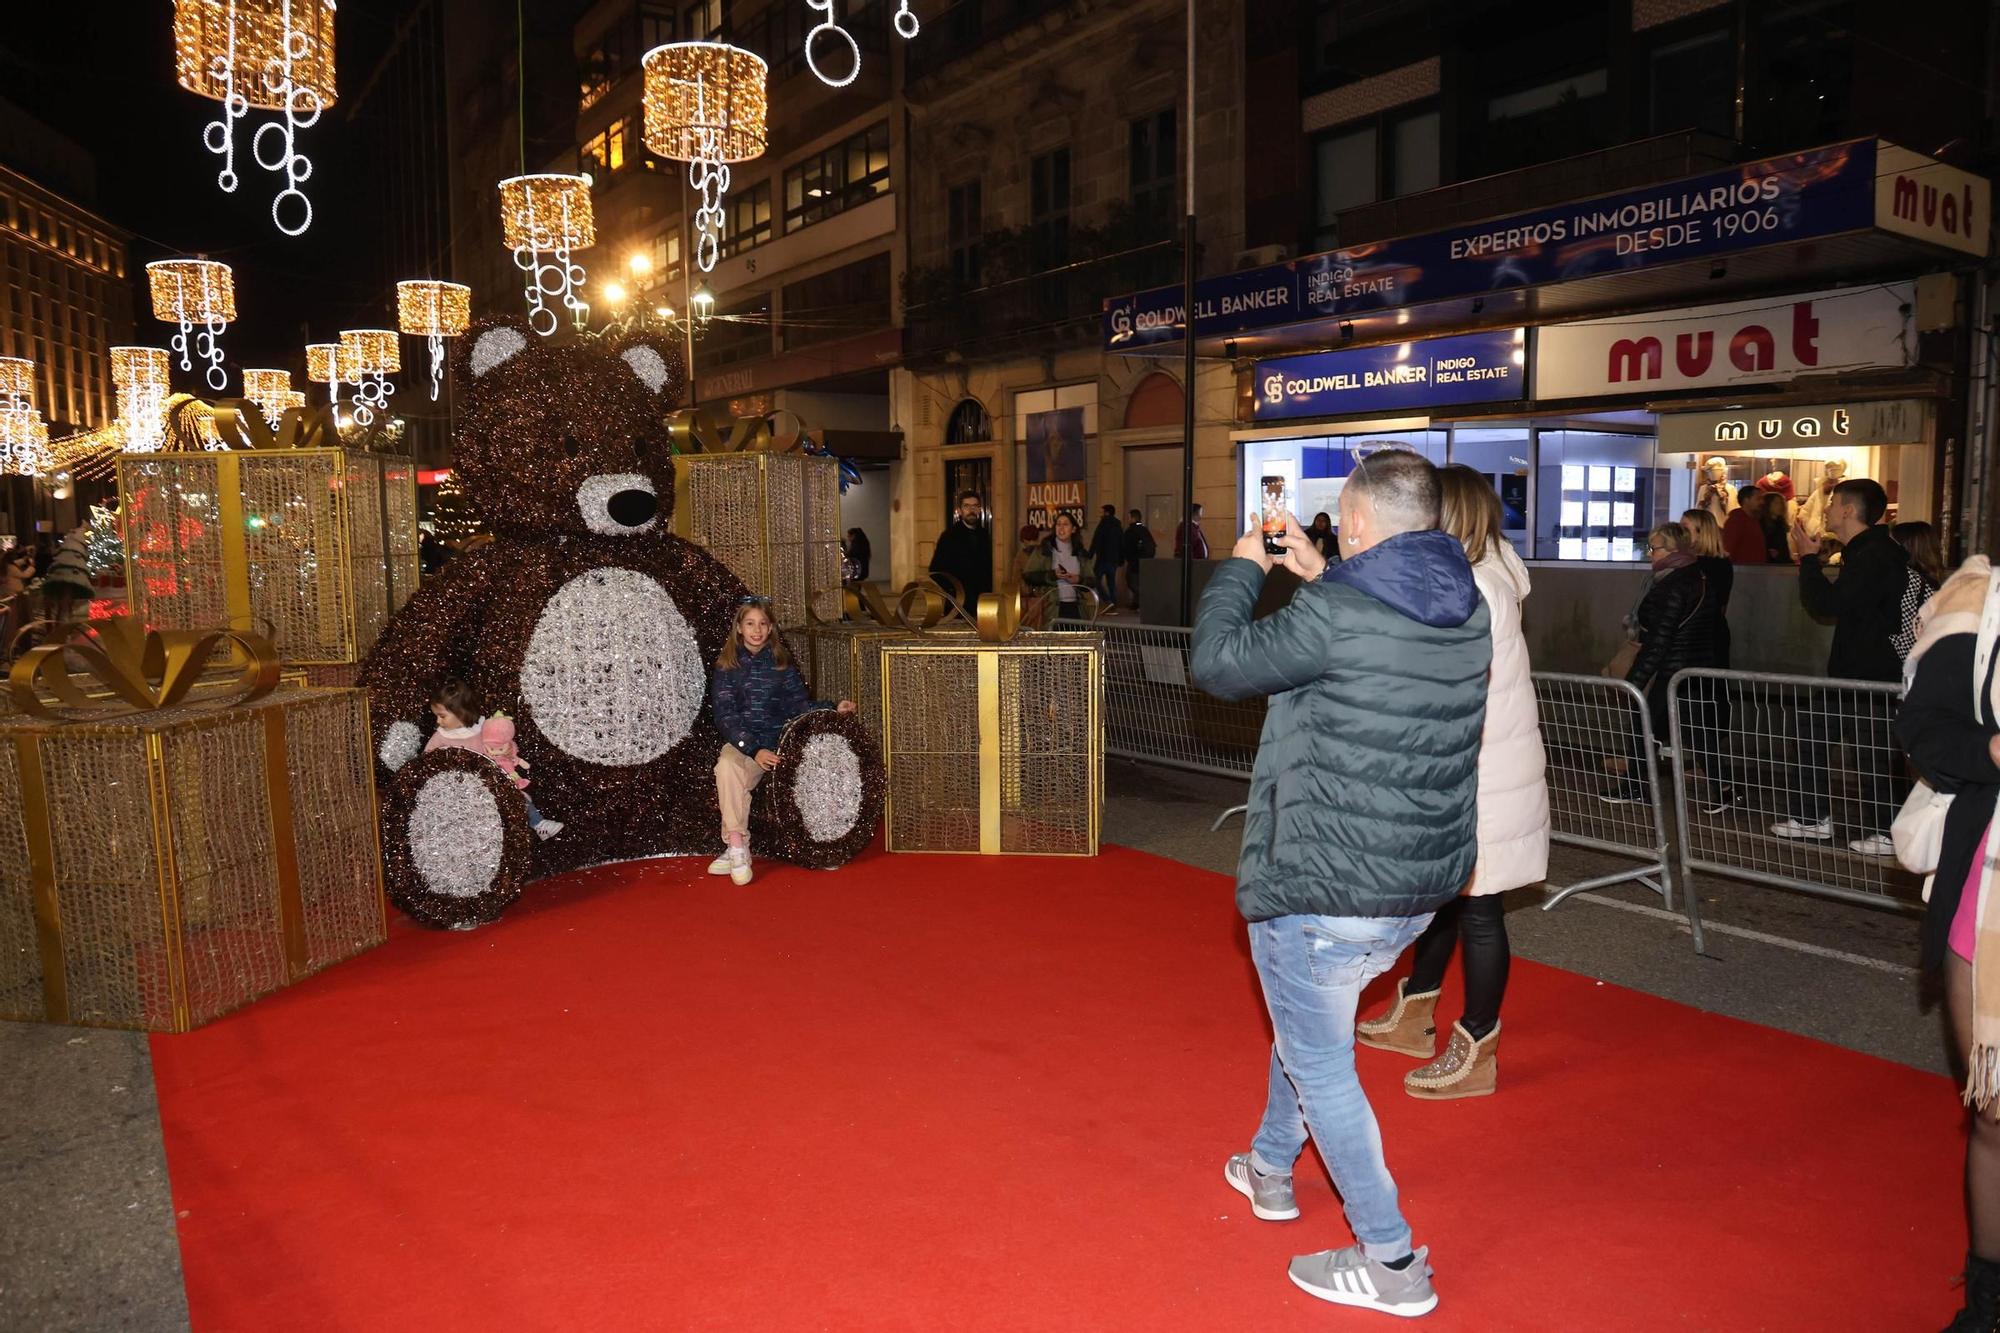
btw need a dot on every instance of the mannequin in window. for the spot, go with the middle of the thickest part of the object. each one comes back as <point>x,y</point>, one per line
<point>1715,494</point>
<point>1812,511</point>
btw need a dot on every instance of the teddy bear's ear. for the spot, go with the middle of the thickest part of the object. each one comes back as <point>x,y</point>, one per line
<point>656,361</point>
<point>488,345</point>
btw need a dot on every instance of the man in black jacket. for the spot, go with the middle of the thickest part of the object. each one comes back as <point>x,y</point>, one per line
<point>1105,550</point>
<point>1136,545</point>
<point>1865,604</point>
<point>965,549</point>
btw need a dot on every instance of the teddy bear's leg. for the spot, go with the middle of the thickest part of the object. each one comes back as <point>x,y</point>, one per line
<point>456,847</point>
<point>822,804</point>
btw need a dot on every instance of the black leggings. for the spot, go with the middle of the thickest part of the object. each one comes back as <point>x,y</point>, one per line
<point>1482,921</point>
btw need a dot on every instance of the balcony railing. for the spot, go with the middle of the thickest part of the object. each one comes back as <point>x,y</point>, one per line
<point>1056,306</point>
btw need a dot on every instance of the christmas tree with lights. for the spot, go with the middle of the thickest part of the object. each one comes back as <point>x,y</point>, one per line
<point>453,518</point>
<point>104,548</point>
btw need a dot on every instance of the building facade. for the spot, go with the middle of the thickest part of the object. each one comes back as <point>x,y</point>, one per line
<point>68,297</point>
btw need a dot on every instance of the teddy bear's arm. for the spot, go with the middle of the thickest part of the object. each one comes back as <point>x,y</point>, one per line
<point>424,644</point>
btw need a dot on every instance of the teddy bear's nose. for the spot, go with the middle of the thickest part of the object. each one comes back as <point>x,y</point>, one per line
<point>631,508</point>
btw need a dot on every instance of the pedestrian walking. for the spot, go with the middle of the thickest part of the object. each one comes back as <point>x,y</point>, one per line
<point>1513,828</point>
<point>1107,554</point>
<point>1136,545</point>
<point>1362,822</point>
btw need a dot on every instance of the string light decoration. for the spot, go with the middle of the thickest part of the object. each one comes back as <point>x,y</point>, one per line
<point>367,358</point>
<point>323,367</point>
<point>274,55</point>
<point>271,390</point>
<point>706,106</point>
<point>544,220</point>
<point>139,377</point>
<point>191,292</point>
<point>24,436</point>
<point>904,21</point>
<point>436,311</point>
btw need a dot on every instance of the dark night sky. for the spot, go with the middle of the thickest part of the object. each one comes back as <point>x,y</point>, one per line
<point>102,73</point>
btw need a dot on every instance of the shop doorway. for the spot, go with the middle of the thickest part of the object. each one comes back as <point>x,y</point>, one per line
<point>1153,486</point>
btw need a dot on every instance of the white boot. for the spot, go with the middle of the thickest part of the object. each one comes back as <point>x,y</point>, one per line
<point>739,864</point>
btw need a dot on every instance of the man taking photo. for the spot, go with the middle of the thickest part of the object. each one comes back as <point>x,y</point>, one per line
<point>1362,822</point>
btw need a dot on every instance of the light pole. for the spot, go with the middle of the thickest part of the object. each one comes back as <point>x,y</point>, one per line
<point>1187,365</point>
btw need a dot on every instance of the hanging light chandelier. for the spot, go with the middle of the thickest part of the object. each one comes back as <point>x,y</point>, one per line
<point>905,23</point>
<point>436,311</point>
<point>705,105</point>
<point>24,436</point>
<point>323,367</point>
<point>275,55</point>
<point>139,375</point>
<point>544,219</point>
<point>191,292</point>
<point>367,358</point>
<point>272,391</point>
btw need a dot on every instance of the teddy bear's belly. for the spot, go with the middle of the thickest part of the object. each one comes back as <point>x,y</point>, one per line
<point>613,674</point>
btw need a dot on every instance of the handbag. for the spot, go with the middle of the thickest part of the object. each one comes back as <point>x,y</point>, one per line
<point>1918,829</point>
<point>1620,665</point>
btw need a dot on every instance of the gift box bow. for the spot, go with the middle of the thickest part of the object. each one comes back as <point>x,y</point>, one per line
<point>143,669</point>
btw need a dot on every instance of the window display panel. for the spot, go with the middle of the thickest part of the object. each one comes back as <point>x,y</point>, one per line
<point>1502,454</point>
<point>1316,468</point>
<point>1597,495</point>
<point>1807,476</point>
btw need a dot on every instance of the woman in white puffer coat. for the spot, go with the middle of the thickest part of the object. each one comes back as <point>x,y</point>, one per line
<point>1513,828</point>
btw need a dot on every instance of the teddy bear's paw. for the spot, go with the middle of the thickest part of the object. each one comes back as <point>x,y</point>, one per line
<point>824,801</point>
<point>456,847</point>
<point>403,743</point>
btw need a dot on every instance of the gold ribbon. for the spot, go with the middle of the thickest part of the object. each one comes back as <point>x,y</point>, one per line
<point>238,423</point>
<point>940,599</point>
<point>143,669</point>
<point>696,430</point>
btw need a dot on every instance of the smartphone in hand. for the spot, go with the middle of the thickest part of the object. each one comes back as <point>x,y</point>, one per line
<point>1277,503</point>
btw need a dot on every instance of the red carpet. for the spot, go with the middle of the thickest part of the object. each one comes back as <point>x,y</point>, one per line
<point>960,1093</point>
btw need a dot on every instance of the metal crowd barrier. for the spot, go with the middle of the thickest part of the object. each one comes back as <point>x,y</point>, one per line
<point>1790,781</point>
<point>1604,784</point>
<point>1155,715</point>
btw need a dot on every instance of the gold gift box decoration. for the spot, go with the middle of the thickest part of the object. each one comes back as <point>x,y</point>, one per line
<point>768,511</point>
<point>317,547</point>
<point>993,738</point>
<point>176,839</point>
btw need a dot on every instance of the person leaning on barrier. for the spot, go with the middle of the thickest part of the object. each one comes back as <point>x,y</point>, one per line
<point>1676,629</point>
<point>1865,605</point>
<point>1362,822</point>
<point>1949,724</point>
<point>1704,701</point>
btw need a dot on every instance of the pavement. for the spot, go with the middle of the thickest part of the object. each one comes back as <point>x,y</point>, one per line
<point>87,1237</point>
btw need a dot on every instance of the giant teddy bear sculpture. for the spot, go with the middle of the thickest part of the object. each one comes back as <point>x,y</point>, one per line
<point>596,627</point>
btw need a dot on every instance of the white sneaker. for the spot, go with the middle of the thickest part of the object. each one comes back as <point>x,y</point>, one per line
<point>739,866</point>
<point>1875,844</point>
<point>721,864</point>
<point>1817,830</point>
<point>548,828</point>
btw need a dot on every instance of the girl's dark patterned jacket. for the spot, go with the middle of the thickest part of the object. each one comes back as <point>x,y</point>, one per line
<point>755,701</point>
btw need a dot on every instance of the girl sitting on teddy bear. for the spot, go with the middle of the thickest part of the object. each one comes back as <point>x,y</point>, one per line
<point>492,736</point>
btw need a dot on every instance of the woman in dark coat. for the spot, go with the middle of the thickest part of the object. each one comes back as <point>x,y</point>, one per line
<point>1676,628</point>
<point>1705,702</point>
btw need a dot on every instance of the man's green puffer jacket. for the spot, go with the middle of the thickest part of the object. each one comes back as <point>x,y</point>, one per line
<point>1363,800</point>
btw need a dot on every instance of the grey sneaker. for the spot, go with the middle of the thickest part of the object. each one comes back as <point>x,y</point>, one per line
<point>1349,1277</point>
<point>1270,1196</point>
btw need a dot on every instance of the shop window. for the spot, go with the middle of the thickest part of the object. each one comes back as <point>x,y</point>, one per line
<point>844,176</point>
<point>1503,455</point>
<point>749,220</point>
<point>969,424</point>
<point>1315,469</point>
<point>1048,218</point>
<point>1597,495</point>
<point>1151,171</point>
<point>964,225</point>
<point>1694,85</point>
<point>839,304</point>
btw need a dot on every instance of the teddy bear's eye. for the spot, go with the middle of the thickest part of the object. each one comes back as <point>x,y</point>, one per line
<point>570,445</point>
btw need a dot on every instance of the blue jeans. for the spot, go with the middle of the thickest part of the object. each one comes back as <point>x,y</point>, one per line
<point>1107,584</point>
<point>534,815</point>
<point>1313,969</point>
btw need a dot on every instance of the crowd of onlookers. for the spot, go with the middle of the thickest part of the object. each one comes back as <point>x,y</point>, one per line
<point>1060,558</point>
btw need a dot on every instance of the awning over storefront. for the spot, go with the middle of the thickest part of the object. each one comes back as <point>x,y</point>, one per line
<point>1862,208</point>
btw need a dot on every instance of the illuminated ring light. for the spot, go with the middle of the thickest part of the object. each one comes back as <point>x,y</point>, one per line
<point>706,105</point>
<point>369,356</point>
<point>434,311</point>
<point>544,219</point>
<point>829,24</point>
<point>191,292</point>
<point>907,26</point>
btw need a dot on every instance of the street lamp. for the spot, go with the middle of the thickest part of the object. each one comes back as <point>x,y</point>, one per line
<point>703,302</point>
<point>614,292</point>
<point>641,264</point>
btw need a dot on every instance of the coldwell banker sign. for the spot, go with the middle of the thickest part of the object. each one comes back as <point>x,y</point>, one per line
<point>1436,372</point>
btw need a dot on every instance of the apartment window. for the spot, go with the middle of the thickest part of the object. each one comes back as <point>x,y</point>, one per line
<point>666,256</point>
<point>704,19</point>
<point>749,219</point>
<point>1151,173</point>
<point>1804,73</point>
<point>604,66</point>
<point>839,304</point>
<point>656,27</point>
<point>964,226</point>
<point>1558,118</point>
<point>844,176</point>
<point>605,155</point>
<point>1379,159</point>
<point>1694,85</point>
<point>741,332</point>
<point>1048,202</point>
<point>1337,23</point>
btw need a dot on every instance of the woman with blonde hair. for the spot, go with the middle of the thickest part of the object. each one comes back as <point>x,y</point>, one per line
<point>1705,703</point>
<point>1513,826</point>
